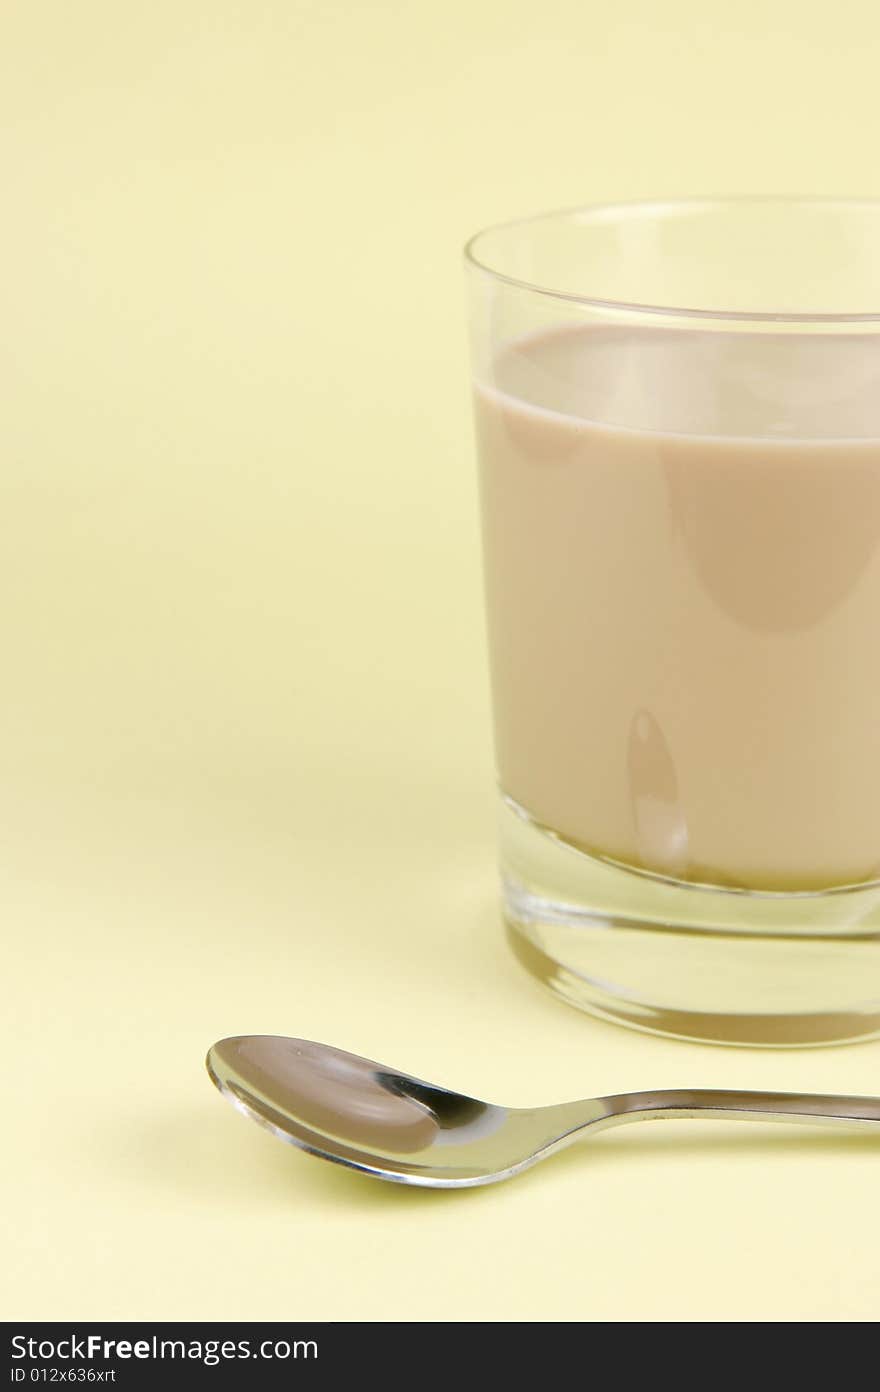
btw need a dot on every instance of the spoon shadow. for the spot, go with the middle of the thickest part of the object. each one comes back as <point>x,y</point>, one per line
<point>216,1163</point>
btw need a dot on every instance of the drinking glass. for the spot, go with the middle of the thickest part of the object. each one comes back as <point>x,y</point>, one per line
<point>678,427</point>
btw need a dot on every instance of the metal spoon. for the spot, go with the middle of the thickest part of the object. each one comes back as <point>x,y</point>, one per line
<point>384,1123</point>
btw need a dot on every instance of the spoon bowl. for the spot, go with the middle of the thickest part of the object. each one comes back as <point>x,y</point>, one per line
<point>388,1124</point>
<point>372,1118</point>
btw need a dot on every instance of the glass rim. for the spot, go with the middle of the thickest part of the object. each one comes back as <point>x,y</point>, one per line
<point>658,205</point>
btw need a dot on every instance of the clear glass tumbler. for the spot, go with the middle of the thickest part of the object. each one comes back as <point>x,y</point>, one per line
<point>678,425</point>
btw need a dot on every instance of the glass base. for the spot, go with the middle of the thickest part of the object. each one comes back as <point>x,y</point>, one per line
<point>693,961</point>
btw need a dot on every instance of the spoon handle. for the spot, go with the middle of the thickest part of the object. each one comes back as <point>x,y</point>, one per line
<point>791,1107</point>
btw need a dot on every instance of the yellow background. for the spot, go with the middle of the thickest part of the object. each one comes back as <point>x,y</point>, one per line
<point>244,734</point>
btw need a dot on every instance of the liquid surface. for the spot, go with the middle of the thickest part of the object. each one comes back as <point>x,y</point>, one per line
<point>682,548</point>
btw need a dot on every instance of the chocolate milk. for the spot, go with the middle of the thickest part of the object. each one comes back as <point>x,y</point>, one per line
<point>682,555</point>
